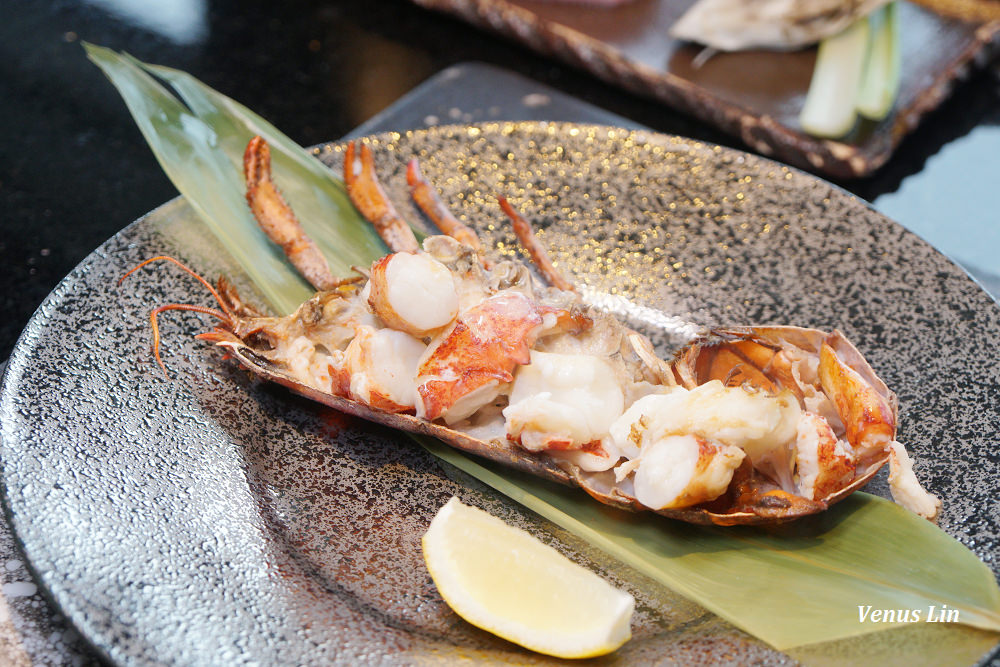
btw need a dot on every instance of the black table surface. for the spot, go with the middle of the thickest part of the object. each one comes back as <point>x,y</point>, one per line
<point>74,168</point>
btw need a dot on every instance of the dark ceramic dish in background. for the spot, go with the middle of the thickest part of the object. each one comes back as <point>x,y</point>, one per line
<point>205,518</point>
<point>755,95</point>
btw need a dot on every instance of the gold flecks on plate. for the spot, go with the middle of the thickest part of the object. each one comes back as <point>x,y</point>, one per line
<point>616,209</point>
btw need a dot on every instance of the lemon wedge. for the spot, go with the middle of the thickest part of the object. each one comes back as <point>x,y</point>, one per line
<point>505,581</point>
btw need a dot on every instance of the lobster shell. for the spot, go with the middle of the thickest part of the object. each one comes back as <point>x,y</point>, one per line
<point>751,499</point>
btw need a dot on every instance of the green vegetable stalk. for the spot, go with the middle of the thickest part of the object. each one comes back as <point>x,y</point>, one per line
<point>857,71</point>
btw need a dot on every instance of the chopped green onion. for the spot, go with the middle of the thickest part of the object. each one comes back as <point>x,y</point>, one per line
<point>880,83</point>
<point>830,107</point>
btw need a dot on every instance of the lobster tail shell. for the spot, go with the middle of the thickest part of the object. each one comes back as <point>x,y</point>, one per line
<point>751,499</point>
<point>501,451</point>
<point>764,358</point>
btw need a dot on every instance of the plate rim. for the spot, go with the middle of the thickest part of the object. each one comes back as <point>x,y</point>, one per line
<point>21,348</point>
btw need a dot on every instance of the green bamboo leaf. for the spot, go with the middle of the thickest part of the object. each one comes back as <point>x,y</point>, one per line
<point>188,150</point>
<point>200,147</point>
<point>797,587</point>
<point>936,644</point>
<point>316,194</point>
<point>791,586</point>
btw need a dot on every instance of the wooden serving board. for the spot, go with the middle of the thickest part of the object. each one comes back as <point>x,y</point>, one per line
<point>754,95</point>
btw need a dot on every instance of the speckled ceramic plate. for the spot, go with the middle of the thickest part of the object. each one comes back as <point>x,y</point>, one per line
<point>208,519</point>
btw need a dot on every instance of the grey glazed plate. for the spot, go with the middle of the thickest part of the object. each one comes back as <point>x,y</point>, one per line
<point>208,519</point>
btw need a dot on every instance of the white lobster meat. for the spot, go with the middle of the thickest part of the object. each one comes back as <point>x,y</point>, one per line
<point>747,425</point>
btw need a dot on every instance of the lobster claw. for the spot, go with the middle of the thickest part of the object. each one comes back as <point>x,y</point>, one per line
<point>865,405</point>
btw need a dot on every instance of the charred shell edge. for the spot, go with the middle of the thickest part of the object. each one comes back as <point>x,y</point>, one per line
<point>768,509</point>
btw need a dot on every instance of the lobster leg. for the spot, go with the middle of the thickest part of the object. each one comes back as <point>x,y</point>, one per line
<point>278,221</point>
<point>368,196</point>
<point>526,235</point>
<point>427,199</point>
